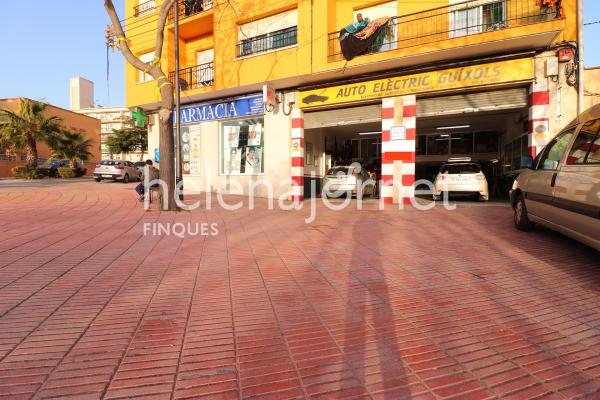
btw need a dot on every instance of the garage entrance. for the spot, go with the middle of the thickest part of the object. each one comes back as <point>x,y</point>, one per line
<point>489,127</point>
<point>340,137</point>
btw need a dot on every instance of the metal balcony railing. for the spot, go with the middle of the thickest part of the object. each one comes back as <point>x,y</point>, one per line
<point>270,41</point>
<point>195,77</point>
<point>144,8</point>
<point>187,8</point>
<point>456,20</point>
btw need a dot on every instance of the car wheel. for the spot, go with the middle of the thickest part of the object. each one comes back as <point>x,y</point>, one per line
<point>522,221</point>
<point>126,178</point>
<point>97,179</point>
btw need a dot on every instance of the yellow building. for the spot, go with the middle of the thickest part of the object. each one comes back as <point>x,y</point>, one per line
<point>270,92</point>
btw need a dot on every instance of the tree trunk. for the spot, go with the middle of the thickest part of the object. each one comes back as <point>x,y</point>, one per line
<point>32,153</point>
<point>167,150</point>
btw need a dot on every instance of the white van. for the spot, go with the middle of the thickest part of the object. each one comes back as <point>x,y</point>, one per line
<point>560,189</point>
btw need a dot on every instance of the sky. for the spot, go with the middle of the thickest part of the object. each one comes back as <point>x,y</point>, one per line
<point>47,42</point>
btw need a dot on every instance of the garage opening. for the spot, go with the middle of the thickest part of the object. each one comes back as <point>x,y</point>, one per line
<point>490,128</point>
<point>340,137</point>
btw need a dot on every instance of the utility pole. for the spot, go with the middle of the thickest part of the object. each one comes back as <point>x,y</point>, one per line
<point>110,44</point>
<point>178,166</point>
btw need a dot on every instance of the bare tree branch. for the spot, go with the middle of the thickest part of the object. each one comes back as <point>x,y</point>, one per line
<point>124,46</point>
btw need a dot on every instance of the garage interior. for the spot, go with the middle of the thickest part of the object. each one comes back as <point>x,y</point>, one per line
<point>489,127</point>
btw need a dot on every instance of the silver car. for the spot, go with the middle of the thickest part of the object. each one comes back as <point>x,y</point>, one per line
<point>353,180</point>
<point>117,170</point>
<point>560,189</point>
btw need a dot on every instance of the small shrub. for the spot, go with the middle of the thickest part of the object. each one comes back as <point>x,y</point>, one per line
<point>25,172</point>
<point>67,172</point>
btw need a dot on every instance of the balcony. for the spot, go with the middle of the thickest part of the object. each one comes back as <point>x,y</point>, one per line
<point>144,8</point>
<point>195,77</point>
<point>453,21</point>
<point>189,8</point>
<point>268,42</point>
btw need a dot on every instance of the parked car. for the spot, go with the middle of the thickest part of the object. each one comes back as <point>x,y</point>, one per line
<point>560,189</point>
<point>50,168</point>
<point>117,170</point>
<point>461,177</point>
<point>139,166</point>
<point>349,179</point>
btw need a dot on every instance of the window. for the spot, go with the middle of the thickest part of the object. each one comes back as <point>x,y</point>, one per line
<point>553,153</point>
<point>142,76</point>
<point>145,7</point>
<point>586,145</point>
<point>481,18</point>
<point>486,142</point>
<point>242,147</point>
<point>269,33</point>
<point>455,169</point>
<point>438,145</point>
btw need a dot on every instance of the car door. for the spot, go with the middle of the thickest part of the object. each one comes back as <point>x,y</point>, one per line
<point>540,185</point>
<point>577,189</point>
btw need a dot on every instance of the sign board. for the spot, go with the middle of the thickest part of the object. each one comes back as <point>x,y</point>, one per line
<point>398,133</point>
<point>224,109</point>
<point>434,81</point>
<point>140,119</point>
<point>269,96</point>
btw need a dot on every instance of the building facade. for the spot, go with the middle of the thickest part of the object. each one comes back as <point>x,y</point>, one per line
<point>112,118</point>
<point>89,127</point>
<point>271,93</point>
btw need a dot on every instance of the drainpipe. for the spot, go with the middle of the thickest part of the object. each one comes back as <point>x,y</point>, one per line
<point>581,66</point>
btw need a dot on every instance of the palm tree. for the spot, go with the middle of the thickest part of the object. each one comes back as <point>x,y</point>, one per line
<point>71,146</point>
<point>21,131</point>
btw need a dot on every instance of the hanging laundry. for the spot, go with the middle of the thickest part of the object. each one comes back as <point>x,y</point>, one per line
<point>363,37</point>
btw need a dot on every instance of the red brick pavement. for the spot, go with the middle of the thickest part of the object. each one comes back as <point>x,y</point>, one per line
<point>360,304</point>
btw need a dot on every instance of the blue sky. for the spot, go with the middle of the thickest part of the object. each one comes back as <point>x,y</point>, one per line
<point>67,38</point>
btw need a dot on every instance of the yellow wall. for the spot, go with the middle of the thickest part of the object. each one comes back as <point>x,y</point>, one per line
<point>217,28</point>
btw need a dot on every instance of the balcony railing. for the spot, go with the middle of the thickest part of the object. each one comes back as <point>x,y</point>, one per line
<point>270,41</point>
<point>457,20</point>
<point>144,8</point>
<point>195,77</point>
<point>187,8</point>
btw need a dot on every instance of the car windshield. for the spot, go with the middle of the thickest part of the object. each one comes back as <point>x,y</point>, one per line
<point>110,162</point>
<point>338,171</point>
<point>460,169</point>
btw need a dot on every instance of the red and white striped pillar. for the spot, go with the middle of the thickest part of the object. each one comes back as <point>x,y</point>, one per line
<point>539,116</point>
<point>297,155</point>
<point>398,113</point>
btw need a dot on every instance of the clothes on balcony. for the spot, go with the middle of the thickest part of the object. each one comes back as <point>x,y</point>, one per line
<point>353,28</point>
<point>552,5</point>
<point>370,37</point>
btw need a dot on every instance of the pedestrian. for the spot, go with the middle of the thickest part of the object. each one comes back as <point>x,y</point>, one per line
<point>152,173</point>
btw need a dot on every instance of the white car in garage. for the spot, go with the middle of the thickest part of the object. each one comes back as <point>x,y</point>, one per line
<point>461,177</point>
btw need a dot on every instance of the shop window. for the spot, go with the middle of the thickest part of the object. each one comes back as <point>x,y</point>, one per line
<point>438,145</point>
<point>310,154</point>
<point>486,142</point>
<point>462,143</point>
<point>242,147</point>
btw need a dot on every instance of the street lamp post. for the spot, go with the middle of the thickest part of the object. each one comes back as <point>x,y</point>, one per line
<point>178,161</point>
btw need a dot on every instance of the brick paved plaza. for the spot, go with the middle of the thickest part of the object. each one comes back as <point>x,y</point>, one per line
<point>358,305</point>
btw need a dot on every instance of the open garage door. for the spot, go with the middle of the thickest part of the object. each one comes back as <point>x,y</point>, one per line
<point>496,100</point>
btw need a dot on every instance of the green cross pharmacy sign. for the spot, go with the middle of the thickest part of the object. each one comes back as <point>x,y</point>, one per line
<point>140,119</point>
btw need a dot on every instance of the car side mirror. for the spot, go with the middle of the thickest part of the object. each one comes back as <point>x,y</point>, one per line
<point>526,162</point>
